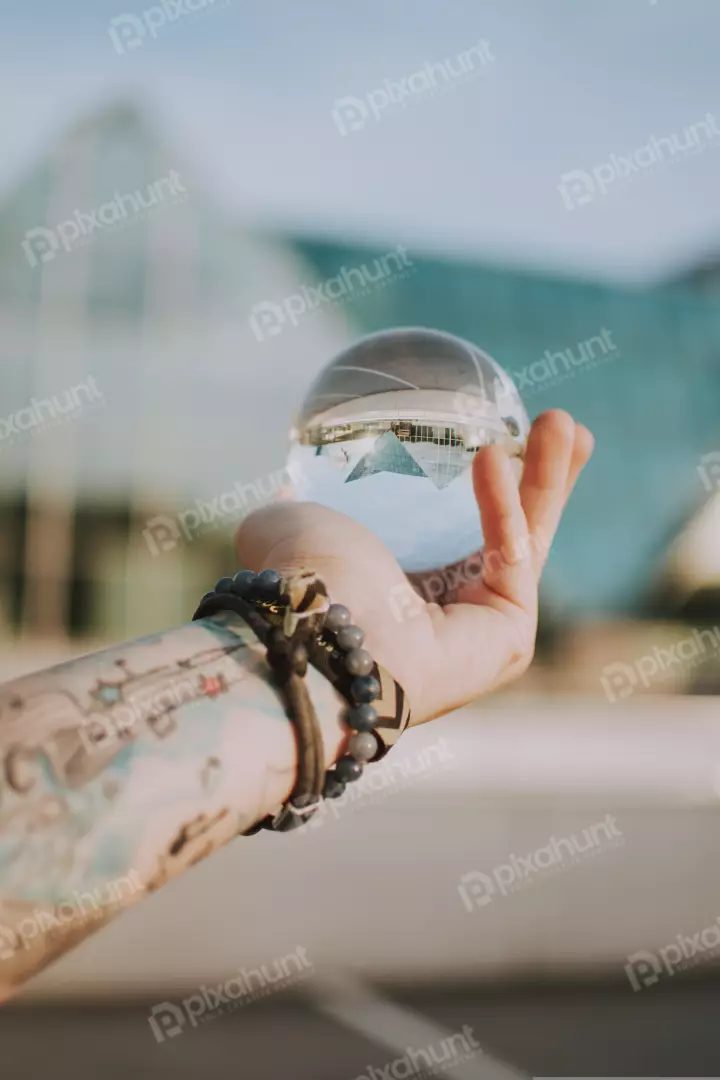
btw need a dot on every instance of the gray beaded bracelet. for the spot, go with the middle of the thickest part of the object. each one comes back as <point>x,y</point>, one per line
<point>296,621</point>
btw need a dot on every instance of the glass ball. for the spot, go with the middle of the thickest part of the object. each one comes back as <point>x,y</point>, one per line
<point>387,434</point>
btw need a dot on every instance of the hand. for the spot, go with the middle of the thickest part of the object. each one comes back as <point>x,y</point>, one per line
<point>443,656</point>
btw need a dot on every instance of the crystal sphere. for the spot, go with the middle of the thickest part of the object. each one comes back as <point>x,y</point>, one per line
<point>387,434</point>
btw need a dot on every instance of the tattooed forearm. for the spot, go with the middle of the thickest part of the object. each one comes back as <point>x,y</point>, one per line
<point>120,770</point>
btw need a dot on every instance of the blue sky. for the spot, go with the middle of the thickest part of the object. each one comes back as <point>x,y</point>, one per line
<point>246,93</point>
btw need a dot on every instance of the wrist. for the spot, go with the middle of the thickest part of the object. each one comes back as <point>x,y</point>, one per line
<point>344,709</point>
<point>280,749</point>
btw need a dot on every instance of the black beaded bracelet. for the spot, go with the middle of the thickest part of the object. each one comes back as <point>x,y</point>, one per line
<point>297,623</point>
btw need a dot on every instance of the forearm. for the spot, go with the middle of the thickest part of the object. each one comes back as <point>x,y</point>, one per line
<point>120,770</point>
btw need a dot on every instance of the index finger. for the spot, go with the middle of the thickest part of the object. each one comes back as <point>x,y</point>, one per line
<point>557,450</point>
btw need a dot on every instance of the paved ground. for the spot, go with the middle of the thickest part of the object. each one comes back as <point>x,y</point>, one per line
<point>569,1030</point>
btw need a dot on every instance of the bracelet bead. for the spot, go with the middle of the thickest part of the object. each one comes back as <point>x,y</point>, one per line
<point>337,617</point>
<point>361,718</point>
<point>268,585</point>
<point>350,637</point>
<point>364,688</point>
<point>243,582</point>
<point>363,746</point>
<point>333,787</point>
<point>348,769</point>
<point>359,662</point>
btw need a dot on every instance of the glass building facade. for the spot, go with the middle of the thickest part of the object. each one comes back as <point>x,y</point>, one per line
<point>200,338</point>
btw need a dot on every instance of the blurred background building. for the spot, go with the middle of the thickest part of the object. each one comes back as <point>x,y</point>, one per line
<point>175,206</point>
<point>194,394</point>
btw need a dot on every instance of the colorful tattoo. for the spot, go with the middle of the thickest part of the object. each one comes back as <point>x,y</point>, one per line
<point>120,770</point>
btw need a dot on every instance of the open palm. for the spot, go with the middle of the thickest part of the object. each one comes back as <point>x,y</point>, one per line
<point>482,635</point>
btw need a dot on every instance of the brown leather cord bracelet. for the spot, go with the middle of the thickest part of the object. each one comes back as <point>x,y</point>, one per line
<point>294,619</point>
<point>288,659</point>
